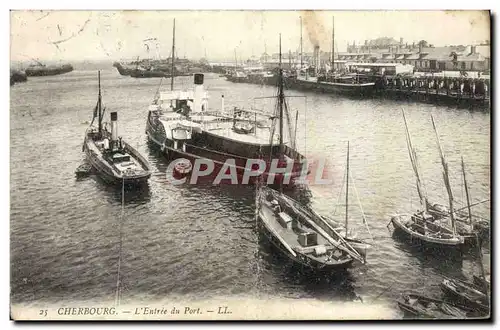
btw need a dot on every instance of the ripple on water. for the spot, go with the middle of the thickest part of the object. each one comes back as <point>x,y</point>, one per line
<point>197,241</point>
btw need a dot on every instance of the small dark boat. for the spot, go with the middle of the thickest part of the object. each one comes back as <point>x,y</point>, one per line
<point>114,160</point>
<point>17,76</point>
<point>84,169</point>
<point>466,295</point>
<point>419,306</point>
<point>291,228</point>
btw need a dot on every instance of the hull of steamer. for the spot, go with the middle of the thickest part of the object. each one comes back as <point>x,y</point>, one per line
<point>215,140</point>
<point>362,89</point>
<point>192,153</point>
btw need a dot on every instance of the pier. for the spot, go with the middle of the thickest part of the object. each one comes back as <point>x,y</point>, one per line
<point>462,91</point>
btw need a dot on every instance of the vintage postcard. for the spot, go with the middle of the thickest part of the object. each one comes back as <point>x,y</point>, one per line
<point>250,165</point>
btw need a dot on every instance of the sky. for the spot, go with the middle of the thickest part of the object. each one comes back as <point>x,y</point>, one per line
<point>218,35</point>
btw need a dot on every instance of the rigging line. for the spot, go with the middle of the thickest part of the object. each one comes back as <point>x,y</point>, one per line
<point>117,299</point>
<point>340,193</point>
<point>361,207</point>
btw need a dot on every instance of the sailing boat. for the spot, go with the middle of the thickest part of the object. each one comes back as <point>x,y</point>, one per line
<point>113,159</point>
<point>297,234</point>
<point>181,124</point>
<point>330,225</point>
<point>465,225</point>
<point>420,225</point>
<point>296,231</point>
<point>472,295</point>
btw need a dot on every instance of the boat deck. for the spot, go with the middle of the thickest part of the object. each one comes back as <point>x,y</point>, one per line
<point>291,237</point>
<point>261,136</point>
<point>129,167</point>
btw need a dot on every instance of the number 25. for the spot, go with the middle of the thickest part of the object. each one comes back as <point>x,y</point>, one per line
<point>43,312</point>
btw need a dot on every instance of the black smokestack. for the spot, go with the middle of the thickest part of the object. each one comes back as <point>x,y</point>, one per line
<point>198,79</point>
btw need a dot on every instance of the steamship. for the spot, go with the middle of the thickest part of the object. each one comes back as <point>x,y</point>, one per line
<point>182,126</point>
<point>114,160</point>
<point>353,84</point>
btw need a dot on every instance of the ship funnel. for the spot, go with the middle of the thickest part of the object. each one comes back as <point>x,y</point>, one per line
<point>114,128</point>
<point>198,92</point>
<point>316,58</point>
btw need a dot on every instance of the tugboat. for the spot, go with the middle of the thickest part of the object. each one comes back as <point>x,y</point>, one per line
<point>114,160</point>
<point>182,126</point>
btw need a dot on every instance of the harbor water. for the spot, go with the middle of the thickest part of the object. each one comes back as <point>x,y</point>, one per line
<point>198,241</point>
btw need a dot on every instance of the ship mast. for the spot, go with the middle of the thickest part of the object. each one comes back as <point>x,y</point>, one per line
<point>235,61</point>
<point>333,42</point>
<point>480,252</point>
<point>99,103</point>
<point>467,192</point>
<point>301,59</point>
<point>446,180</point>
<point>281,98</point>
<point>413,159</point>
<point>347,192</point>
<point>173,56</point>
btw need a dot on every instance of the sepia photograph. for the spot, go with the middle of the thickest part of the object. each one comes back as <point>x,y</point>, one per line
<point>250,165</point>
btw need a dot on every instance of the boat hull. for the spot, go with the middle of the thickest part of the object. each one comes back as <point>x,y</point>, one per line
<point>47,71</point>
<point>171,153</point>
<point>237,79</point>
<point>147,74</point>
<point>480,305</point>
<point>300,260</point>
<point>361,90</point>
<point>420,308</point>
<point>109,176</point>
<point>400,227</point>
<point>207,146</point>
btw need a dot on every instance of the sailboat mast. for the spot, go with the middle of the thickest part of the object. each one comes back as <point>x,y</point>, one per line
<point>413,160</point>
<point>99,102</point>
<point>301,59</point>
<point>446,179</point>
<point>235,60</point>
<point>173,57</point>
<point>281,97</point>
<point>466,192</point>
<point>347,193</point>
<point>480,252</point>
<point>333,42</point>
